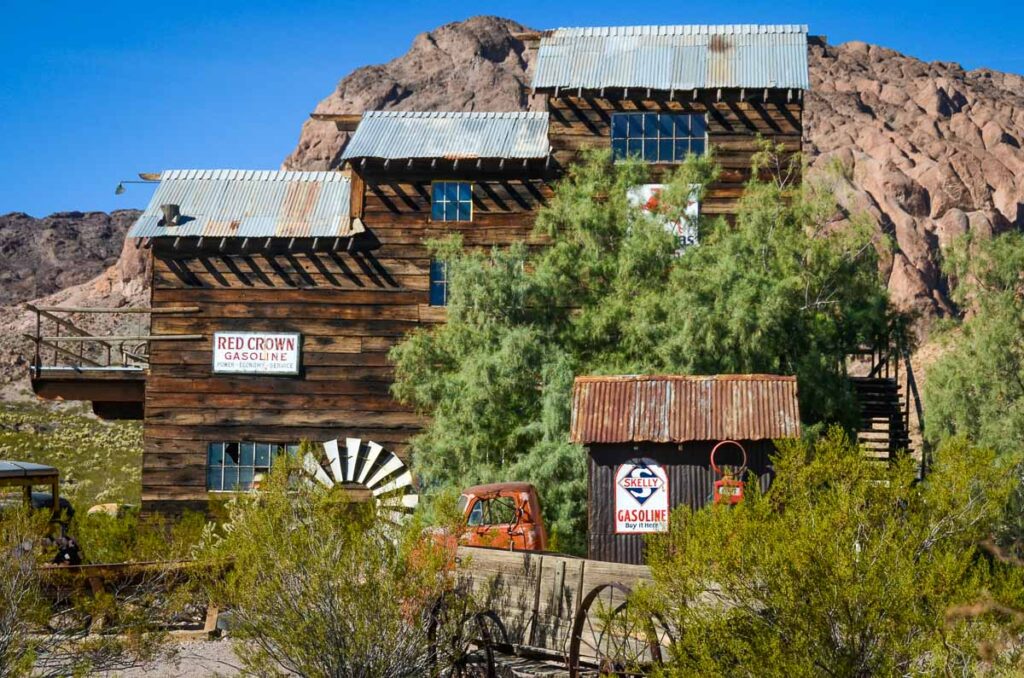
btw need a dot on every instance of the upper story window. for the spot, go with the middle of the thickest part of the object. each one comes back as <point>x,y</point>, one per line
<point>451,201</point>
<point>658,137</point>
<point>438,283</point>
<point>233,466</point>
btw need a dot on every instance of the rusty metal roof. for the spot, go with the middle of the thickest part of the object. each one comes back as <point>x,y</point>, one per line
<point>249,203</point>
<point>399,135</point>
<point>674,57</point>
<point>679,409</point>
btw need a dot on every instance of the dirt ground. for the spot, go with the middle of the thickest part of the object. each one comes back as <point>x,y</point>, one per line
<point>196,658</point>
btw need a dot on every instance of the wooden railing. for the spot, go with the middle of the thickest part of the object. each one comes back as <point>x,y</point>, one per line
<point>888,357</point>
<point>61,344</point>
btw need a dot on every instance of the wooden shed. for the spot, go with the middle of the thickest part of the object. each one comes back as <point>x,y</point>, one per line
<point>649,442</point>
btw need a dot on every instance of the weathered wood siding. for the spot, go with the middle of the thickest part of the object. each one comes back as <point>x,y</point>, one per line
<point>733,125</point>
<point>350,308</point>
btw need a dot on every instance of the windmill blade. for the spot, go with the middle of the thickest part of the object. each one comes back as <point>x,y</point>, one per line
<point>334,457</point>
<point>389,467</point>
<point>373,450</point>
<point>396,518</point>
<point>353,445</point>
<point>403,480</point>
<point>410,501</point>
<point>313,468</point>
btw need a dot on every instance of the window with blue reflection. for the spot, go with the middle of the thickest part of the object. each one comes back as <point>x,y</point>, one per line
<point>233,466</point>
<point>438,283</point>
<point>658,137</point>
<point>451,201</point>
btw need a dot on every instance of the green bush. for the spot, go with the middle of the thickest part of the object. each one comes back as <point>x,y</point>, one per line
<point>845,567</point>
<point>317,585</point>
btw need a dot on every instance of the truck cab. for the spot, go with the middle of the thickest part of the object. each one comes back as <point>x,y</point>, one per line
<point>503,516</point>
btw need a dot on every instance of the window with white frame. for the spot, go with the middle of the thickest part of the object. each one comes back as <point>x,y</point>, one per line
<point>232,466</point>
<point>451,201</point>
<point>658,137</point>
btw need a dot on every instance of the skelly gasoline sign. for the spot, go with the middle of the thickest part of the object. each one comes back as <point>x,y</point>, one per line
<point>641,497</point>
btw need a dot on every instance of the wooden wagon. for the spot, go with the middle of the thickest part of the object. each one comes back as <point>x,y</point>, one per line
<point>551,614</point>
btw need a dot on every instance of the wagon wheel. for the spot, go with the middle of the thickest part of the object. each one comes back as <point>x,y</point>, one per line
<point>610,637</point>
<point>462,641</point>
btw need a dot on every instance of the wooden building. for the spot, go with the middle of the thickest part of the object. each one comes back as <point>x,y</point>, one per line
<point>649,442</point>
<point>321,273</point>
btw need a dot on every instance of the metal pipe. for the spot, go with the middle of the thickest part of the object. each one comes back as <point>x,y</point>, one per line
<point>117,337</point>
<point>133,309</point>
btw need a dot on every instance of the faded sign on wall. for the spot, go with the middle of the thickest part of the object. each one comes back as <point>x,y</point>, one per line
<point>647,198</point>
<point>256,352</point>
<point>641,497</point>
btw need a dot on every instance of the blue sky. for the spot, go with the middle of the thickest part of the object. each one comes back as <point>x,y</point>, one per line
<point>91,93</point>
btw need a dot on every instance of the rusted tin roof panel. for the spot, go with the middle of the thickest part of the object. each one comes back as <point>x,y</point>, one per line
<point>400,135</point>
<point>678,409</point>
<point>249,203</point>
<point>674,57</point>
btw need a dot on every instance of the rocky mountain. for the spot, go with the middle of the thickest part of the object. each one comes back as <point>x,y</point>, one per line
<point>42,256</point>
<point>124,283</point>
<point>472,65</point>
<point>931,151</point>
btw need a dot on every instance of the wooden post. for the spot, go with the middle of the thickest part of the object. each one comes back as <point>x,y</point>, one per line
<point>39,333</point>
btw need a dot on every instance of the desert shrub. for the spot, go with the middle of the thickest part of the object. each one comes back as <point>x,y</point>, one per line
<point>845,567</point>
<point>317,585</point>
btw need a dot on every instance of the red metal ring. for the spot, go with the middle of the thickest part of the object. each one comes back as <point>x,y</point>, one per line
<point>714,450</point>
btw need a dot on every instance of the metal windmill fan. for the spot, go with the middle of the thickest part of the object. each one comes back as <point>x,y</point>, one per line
<point>369,465</point>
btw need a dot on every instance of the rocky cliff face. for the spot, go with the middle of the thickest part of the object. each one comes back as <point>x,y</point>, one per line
<point>932,151</point>
<point>472,65</point>
<point>41,256</point>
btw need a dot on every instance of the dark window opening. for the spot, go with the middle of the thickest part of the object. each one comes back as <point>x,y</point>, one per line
<point>658,137</point>
<point>451,201</point>
<point>496,511</point>
<point>438,283</point>
<point>234,466</point>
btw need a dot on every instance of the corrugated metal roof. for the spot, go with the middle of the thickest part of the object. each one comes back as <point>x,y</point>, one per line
<point>249,203</point>
<point>679,409</point>
<point>23,469</point>
<point>674,57</point>
<point>398,135</point>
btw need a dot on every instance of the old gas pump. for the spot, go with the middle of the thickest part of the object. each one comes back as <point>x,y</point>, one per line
<point>729,489</point>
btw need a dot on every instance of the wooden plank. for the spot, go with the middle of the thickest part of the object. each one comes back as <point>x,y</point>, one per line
<point>283,417</point>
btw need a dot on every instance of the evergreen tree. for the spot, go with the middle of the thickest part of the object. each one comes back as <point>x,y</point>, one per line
<point>976,388</point>
<point>778,291</point>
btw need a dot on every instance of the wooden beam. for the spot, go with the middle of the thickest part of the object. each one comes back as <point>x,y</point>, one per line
<point>71,354</point>
<point>345,122</point>
<point>357,195</point>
